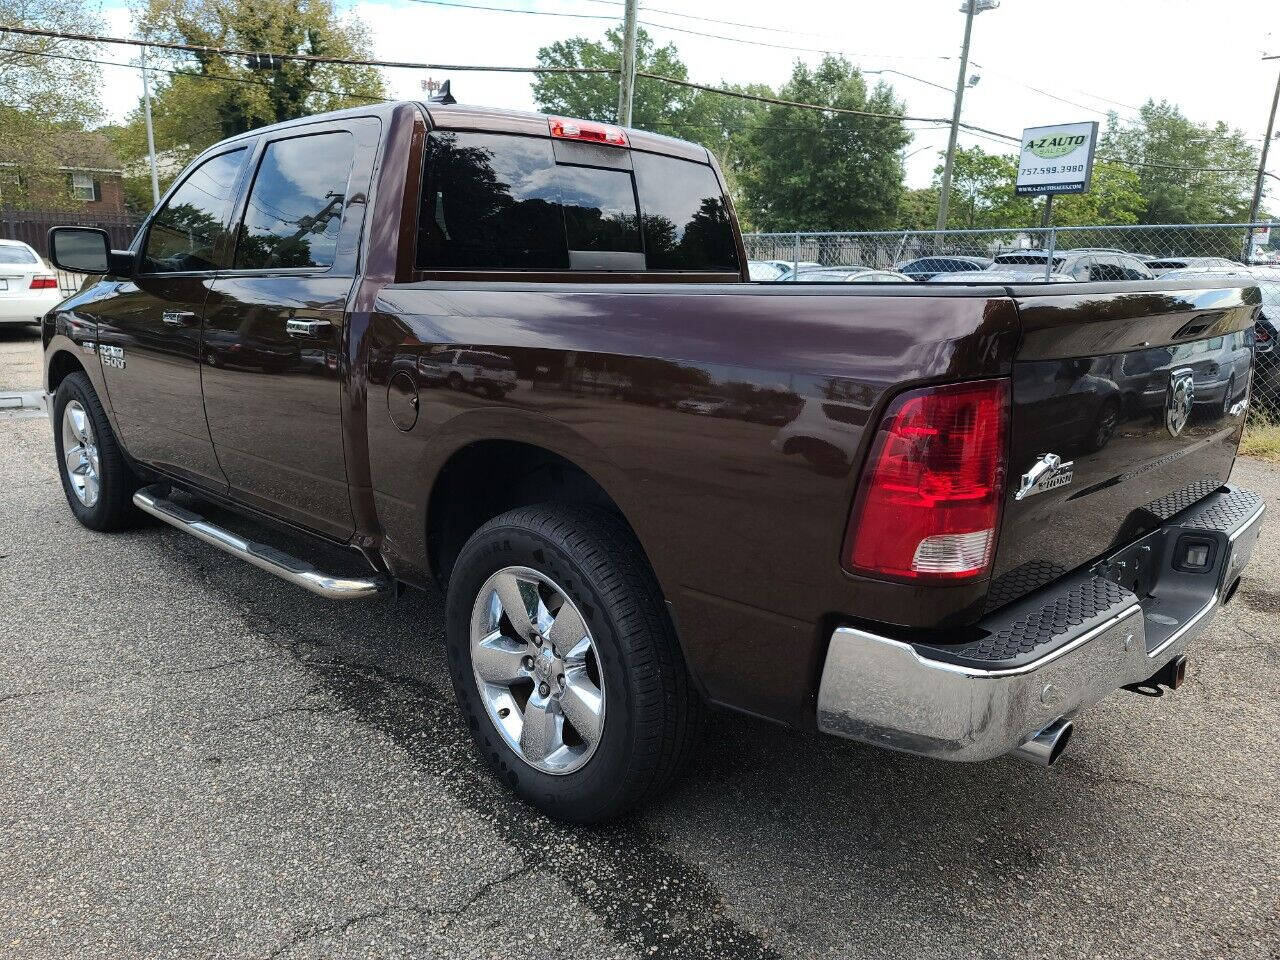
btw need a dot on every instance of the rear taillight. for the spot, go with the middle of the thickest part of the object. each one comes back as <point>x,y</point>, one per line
<point>1261,334</point>
<point>588,130</point>
<point>44,283</point>
<point>928,507</point>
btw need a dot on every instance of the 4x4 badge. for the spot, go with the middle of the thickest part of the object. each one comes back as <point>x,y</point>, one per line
<point>1047,473</point>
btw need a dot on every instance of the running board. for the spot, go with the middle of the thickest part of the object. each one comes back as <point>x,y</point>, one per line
<point>283,565</point>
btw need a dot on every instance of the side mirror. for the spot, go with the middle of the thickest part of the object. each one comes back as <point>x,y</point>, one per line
<point>86,250</point>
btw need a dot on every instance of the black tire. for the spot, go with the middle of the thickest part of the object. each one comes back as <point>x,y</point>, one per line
<point>113,509</point>
<point>653,712</point>
<point>456,382</point>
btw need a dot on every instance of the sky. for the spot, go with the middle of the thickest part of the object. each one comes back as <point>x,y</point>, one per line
<point>1086,57</point>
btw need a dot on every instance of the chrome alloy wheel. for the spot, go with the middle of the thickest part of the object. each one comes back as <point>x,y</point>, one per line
<point>80,453</point>
<point>537,670</point>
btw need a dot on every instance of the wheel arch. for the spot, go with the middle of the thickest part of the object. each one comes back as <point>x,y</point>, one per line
<point>61,364</point>
<point>484,478</point>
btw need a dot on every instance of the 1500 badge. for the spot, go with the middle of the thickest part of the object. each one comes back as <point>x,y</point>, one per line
<point>111,356</point>
<point>1047,473</point>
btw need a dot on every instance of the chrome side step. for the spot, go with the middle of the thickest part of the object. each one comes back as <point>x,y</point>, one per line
<point>283,565</point>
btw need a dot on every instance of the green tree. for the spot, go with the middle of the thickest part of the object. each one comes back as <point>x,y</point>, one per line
<point>984,195</point>
<point>210,97</point>
<point>809,170</point>
<point>982,191</point>
<point>1186,172</point>
<point>44,98</point>
<point>1114,198</point>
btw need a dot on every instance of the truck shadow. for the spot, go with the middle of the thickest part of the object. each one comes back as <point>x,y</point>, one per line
<point>859,830</point>
<point>845,831</point>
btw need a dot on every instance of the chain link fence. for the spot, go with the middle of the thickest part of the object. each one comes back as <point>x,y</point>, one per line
<point>1055,254</point>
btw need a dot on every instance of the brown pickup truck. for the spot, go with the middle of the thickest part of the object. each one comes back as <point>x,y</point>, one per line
<point>518,357</point>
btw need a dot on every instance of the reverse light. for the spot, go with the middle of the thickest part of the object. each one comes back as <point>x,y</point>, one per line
<point>588,130</point>
<point>928,507</point>
<point>44,283</point>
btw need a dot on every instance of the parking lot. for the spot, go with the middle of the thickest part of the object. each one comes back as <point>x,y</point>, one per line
<point>197,759</point>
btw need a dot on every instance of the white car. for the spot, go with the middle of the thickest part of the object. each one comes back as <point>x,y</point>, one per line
<point>28,288</point>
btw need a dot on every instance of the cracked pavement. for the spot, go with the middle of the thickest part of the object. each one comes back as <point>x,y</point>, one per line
<point>199,760</point>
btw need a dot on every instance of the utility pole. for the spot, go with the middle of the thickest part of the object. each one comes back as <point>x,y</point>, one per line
<point>627,73</point>
<point>970,9</point>
<point>151,137</point>
<point>1266,146</point>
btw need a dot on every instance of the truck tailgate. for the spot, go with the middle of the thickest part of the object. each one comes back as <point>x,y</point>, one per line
<point>1127,407</point>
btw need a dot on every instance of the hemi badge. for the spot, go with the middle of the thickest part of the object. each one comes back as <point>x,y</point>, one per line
<point>1047,473</point>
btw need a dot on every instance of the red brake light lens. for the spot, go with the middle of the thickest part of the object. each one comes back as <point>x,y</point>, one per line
<point>44,283</point>
<point>928,507</point>
<point>588,130</point>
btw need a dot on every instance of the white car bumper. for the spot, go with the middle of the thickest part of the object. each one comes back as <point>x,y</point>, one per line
<point>27,307</point>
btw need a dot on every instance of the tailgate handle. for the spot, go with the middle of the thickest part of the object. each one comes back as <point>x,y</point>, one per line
<point>307,328</point>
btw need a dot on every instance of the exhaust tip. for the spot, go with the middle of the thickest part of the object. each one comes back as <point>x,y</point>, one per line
<point>1047,745</point>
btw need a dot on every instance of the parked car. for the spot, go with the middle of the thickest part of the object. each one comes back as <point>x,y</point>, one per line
<point>1138,256</point>
<point>28,288</point>
<point>766,270</point>
<point>785,269</point>
<point>494,373</point>
<point>993,275</point>
<point>851,275</point>
<point>611,563</point>
<point>1091,265</point>
<point>1266,328</point>
<point>1210,264</point>
<point>925,268</point>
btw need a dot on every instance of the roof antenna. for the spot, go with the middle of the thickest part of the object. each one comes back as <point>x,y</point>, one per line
<point>442,95</point>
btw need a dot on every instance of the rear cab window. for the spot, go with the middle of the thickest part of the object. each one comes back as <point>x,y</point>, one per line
<point>510,202</point>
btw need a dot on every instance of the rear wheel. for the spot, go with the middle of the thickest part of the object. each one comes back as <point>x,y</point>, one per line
<point>96,478</point>
<point>565,664</point>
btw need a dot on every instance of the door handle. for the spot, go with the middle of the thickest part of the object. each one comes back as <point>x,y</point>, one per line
<point>176,318</point>
<point>307,328</point>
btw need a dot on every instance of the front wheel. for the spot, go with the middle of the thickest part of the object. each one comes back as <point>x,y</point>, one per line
<point>96,478</point>
<point>565,663</point>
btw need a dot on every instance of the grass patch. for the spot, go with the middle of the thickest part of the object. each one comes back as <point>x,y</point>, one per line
<point>1262,440</point>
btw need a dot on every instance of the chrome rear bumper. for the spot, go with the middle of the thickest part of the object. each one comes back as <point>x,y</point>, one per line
<point>1046,657</point>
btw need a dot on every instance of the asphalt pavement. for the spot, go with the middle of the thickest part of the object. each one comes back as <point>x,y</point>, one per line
<point>199,760</point>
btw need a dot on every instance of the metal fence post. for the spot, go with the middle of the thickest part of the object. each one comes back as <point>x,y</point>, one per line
<point>1048,260</point>
<point>795,258</point>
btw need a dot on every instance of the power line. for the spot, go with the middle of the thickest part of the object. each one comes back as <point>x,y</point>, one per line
<point>187,73</point>
<point>303,57</point>
<point>727,23</point>
<point>667,26</point>
<point>398,64</point>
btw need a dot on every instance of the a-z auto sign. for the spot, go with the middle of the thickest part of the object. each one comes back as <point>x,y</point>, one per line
<point>1057,159</point>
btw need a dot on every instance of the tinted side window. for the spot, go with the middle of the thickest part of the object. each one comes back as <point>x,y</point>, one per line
<point>294,211</point>
<point>185,231</point>
<point>490,202</point>
<point>686,223</point>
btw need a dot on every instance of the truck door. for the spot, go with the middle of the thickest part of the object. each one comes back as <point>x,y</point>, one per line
<point>272,349</point>
<point>149,328</point>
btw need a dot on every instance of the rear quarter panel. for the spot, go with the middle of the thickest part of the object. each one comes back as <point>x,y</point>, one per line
<point>727,422</point>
